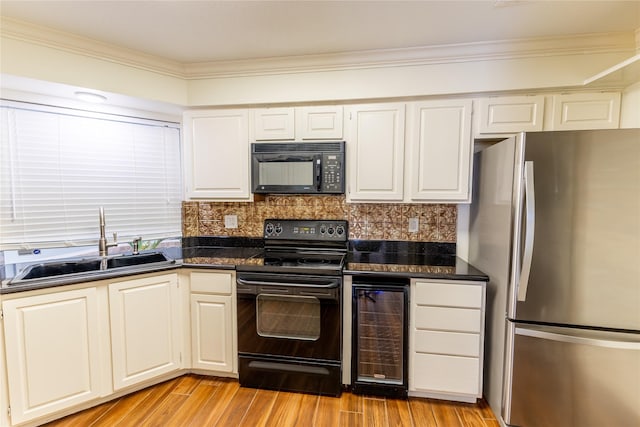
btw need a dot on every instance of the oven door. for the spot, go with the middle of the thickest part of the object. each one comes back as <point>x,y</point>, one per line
<point>297,316</point>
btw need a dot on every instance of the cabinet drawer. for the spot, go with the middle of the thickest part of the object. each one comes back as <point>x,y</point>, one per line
<point>212,283</point>
<point>451,343</point>
<point>448,374</point>
<point>448,294</point>
<point>448,319</point>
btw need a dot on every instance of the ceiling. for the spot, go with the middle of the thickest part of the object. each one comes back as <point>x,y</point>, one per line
<point>205,31</point>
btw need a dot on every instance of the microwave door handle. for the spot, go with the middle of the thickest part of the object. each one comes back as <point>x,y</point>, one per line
<point>318,173</point>
<point>286,159</point>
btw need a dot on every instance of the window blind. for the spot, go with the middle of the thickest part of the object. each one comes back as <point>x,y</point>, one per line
<point>59,167</point>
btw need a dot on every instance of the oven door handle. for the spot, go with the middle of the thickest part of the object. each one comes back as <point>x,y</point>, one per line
<point>330,284</point>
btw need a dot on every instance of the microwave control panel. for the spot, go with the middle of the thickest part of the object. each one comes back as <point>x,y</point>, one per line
<point>332,179</point>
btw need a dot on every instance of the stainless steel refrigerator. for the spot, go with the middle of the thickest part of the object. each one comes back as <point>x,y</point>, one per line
<point>555,223</point>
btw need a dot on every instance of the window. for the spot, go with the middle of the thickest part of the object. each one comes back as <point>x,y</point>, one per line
<point>58,166</point>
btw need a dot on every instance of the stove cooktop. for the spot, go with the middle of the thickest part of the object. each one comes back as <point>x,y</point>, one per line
<point>301,247</point>
<point>298,261</point>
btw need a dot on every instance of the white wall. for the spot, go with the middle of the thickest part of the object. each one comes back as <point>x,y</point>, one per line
<point>23,59</point>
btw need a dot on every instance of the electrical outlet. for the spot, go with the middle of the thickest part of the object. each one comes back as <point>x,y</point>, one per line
<point>231,221</point>
<point>414,224</point>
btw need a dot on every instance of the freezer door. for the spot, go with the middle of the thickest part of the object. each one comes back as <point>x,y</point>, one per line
<point>585,186</point>
<point>569,377</point>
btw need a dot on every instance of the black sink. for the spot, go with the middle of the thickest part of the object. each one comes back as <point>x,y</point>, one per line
<point>129,260</point>
<point>39,271</point>
<point>91,266</point>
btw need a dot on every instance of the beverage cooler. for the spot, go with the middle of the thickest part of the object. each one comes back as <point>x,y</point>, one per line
<point>379,336</point>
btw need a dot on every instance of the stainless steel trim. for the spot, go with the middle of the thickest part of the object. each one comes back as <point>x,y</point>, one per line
<point>573,339</point>
<point>329,285</point>
<point>507,389</point>
<point>517,206</point>
<point>530,224</point>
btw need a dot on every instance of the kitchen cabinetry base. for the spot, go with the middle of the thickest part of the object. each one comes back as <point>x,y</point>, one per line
<point>208,373</point>
<point>444,396</point>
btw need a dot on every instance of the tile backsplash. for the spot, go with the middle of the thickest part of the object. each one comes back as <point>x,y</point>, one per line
<point>367,221</point>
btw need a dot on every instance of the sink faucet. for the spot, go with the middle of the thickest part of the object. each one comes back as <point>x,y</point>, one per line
<point>136,245</point>
<point>103,245</point>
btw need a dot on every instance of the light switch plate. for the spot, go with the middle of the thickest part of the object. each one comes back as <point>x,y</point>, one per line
<point>231,221</point>
<point>413,225</point>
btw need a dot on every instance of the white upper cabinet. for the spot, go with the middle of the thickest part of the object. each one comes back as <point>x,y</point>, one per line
<point>216,154</point>
<point>510,114</point>
<point>319,122</point>
<point>276,124</point>
<point>297,123</point>
<point>375,152</point>
<point>600,110</point>
<point>439,150</point>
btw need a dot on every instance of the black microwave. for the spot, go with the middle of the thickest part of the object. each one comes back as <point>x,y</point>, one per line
<point>298,167</point>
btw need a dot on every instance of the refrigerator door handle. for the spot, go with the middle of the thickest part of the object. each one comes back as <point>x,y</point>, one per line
<point>596,342</point>
<point>530,224</point>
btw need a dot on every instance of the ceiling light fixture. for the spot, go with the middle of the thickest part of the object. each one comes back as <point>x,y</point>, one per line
<point>90,97</point>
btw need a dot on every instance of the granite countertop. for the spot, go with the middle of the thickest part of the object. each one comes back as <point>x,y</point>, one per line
<point>409,259</point>
<point>219,252</point>
<point>389,258</point>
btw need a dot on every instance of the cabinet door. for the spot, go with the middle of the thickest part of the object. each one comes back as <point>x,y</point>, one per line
<point>145,328</point>
<point>276,124</point>
<point>511,114</point>
<point>319,122</point>
<point>212,332</point>
<point>216,154</point>
<point>439,153</point>
<point>375,152</point>
<point>586,111</point>
<point>52,351</point>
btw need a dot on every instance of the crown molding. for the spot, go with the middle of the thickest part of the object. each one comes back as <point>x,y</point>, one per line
<point>383,58</point>
<point>68,42</point>
<point>424,55</point>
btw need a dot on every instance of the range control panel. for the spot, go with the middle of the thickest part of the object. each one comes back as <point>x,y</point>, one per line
<point>294,229</point>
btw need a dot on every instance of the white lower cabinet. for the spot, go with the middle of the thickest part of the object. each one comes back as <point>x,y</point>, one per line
<point>53,351</point>
<point>213,320</point>
<point>145,328</point>
<point>446,339</point>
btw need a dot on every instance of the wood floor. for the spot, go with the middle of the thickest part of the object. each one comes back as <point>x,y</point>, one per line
<point>196,401</point>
